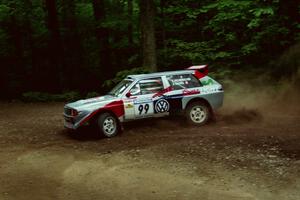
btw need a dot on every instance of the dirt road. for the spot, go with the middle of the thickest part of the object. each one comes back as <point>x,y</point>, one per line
<point>246,154</point>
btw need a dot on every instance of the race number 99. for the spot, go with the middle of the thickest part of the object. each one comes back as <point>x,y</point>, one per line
<point>143,108</point>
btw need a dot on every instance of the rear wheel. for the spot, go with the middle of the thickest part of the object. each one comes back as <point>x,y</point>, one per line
<point>108,125</point>
<point>197,113</point>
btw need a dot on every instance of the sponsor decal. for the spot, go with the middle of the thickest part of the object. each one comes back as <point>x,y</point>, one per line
<point>190,92</point>
<point>209,90</point>
<point>142,100</point>
<point>180,81</point>
<point>207,82</point>
<point>160,93</point>
<point>129,106</point>
<point>162,106</point>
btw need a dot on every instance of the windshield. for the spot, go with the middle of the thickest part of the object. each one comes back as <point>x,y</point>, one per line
<point>120,88</point>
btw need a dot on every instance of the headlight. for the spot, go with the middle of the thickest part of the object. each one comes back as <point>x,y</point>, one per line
<point>74,112</point>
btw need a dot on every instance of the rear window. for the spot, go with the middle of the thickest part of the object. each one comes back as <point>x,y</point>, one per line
<point>183,81</point>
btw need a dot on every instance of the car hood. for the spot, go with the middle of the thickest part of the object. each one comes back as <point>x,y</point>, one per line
<point>91,103</point>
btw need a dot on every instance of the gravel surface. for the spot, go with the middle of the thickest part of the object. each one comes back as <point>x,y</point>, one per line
<point>247,153</point>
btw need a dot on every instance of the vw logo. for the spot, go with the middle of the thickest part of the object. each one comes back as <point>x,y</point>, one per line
<point>162,106</point>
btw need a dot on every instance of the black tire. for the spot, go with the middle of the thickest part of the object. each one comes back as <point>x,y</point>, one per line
<point>197,113</point>
<point>108,125</point>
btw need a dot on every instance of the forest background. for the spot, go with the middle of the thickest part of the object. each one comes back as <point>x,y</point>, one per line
<point>62,50</point>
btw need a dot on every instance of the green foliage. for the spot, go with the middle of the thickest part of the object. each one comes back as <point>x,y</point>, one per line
<point>84,10</point>
<point>35,97</point>
<point>197,52</point>
<point>258,12</point>
<point>230,32</point>
<point>46,97</point>
<point>248,49</point>
<point>69,96</point>
<point>4,12</point>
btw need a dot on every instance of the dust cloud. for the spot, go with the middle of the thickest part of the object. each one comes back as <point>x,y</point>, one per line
<point>262,94</point>
<point>250,100</point>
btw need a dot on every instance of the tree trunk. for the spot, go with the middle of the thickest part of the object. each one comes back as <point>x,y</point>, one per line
<point>31,64</point>
<point>130,28</point>
<point>16,60</point>
<point>72,43</point>
<point>163,29</point>
<point>147,14</point>
<point>55,45</point>
<point>102,35</point>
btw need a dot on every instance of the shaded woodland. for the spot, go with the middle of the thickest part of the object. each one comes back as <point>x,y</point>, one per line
<point>58,46</point>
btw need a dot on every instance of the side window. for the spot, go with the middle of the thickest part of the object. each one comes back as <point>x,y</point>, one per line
<point>147,86</point>
<point>183,81</point>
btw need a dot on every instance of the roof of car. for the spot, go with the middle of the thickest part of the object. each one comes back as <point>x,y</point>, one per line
<point>157,74</point>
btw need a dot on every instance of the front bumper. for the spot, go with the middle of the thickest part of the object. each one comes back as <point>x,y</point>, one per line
<point>74,122</point>
<point>69,122</point>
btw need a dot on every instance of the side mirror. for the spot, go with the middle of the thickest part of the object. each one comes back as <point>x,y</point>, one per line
<point>128,94</point>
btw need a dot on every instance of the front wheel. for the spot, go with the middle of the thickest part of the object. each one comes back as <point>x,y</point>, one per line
<point>108,125</point>
<point>197,113</point>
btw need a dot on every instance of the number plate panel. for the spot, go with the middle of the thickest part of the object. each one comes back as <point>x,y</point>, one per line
<point>143,109</point>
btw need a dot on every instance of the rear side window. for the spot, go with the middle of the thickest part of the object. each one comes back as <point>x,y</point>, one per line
<point>147,86</point>
<point>183,81</point>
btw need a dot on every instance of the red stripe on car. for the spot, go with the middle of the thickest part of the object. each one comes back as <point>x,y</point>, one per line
<point>187,92</point>
<point>168,89</point>
<point>117,107</point>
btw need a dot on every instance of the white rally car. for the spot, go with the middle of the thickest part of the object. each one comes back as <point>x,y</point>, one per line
<point>189,92</point>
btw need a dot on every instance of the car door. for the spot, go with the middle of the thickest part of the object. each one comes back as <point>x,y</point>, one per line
<point>143,93</point>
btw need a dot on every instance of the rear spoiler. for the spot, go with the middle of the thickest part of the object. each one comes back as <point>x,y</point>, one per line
<point>200,70</point>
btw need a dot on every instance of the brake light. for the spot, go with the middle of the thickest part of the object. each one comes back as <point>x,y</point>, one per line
<point>220,88</point>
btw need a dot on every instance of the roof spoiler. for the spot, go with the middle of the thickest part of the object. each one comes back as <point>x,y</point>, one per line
<point>200,70</point>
